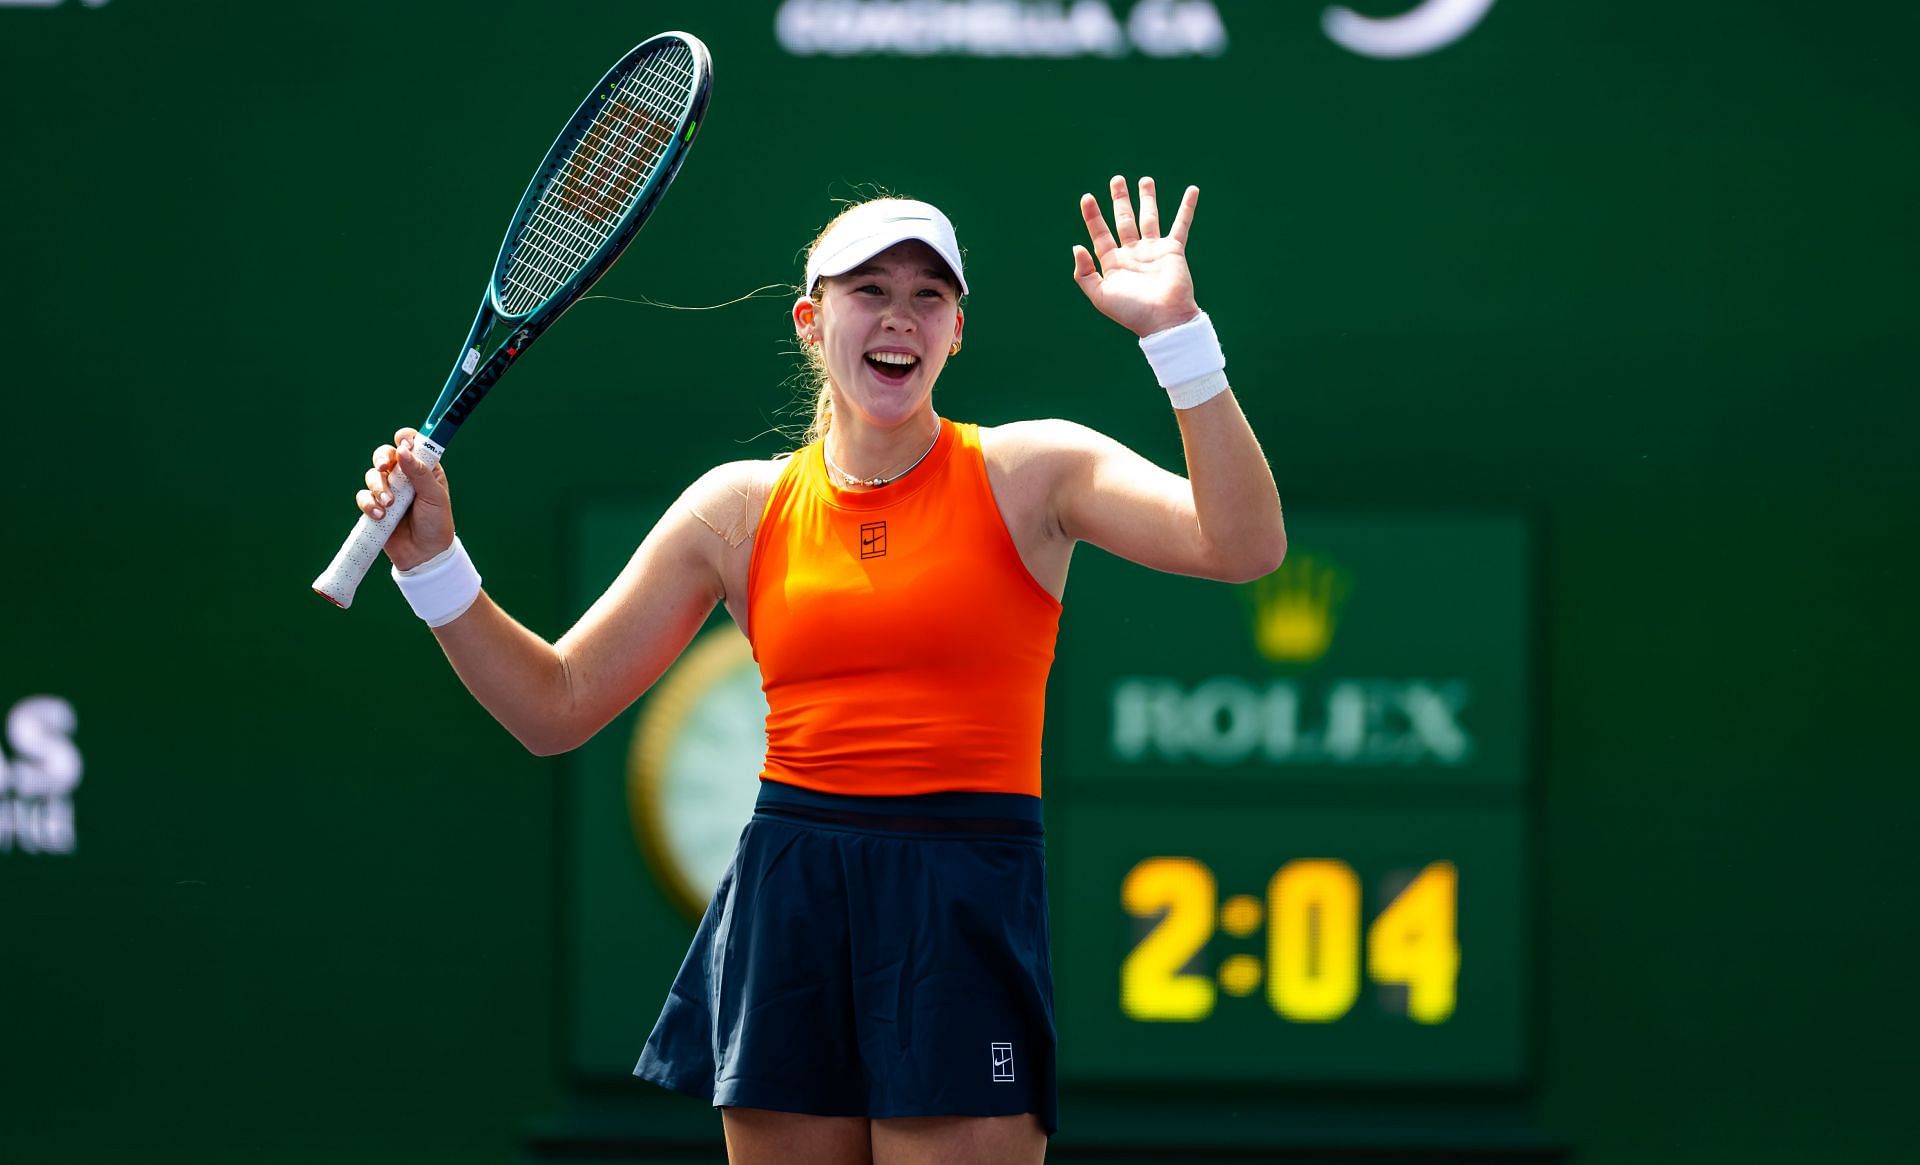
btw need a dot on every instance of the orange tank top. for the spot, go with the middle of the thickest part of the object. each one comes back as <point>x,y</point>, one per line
<point>903,646</point>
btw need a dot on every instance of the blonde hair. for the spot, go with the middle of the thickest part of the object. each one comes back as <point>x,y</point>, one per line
<point>815,383</point>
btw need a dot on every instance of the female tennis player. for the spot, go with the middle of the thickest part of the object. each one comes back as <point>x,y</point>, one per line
<point>871,981</point>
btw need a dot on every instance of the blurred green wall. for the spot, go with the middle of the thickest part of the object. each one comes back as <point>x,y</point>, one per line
<point>1642,272</point>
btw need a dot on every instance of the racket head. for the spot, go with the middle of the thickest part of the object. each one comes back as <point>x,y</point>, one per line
<point>603,175</point>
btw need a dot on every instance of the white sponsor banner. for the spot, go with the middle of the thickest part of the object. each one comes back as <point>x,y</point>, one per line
<point>999,28</point>
<point>1088,28</point>
<point>40,768</point>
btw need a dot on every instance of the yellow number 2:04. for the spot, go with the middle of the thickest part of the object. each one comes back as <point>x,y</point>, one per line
<point>1313,941</point>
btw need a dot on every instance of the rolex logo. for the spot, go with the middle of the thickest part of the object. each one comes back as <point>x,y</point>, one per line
<point>1296,608</point>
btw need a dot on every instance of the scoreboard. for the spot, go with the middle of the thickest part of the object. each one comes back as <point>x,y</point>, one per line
<point>1287,821</point>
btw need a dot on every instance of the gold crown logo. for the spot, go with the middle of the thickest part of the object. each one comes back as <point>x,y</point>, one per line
<point>1296,608</point>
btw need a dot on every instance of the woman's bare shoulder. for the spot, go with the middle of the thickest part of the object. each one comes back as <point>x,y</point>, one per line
<point>1025,445</point>
<point>729,498</point>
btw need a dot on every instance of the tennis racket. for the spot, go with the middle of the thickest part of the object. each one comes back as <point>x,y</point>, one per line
<point>601,179</point>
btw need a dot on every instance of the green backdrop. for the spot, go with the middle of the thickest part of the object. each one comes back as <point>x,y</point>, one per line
<point>1637,276</point>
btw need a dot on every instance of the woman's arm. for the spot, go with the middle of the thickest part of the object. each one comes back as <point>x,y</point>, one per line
<point>1223,520</point>
<point>554,696</point>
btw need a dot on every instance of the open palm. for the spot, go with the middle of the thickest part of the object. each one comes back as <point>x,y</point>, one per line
<point>1141,282</point>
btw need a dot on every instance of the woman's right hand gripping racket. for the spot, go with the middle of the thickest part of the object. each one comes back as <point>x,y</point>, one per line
<point>599,182</point>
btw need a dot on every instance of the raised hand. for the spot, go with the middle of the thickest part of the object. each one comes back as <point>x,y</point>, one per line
<point>1142,282</point>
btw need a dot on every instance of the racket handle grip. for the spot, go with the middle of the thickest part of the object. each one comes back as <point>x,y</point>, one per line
<point>361,550</point>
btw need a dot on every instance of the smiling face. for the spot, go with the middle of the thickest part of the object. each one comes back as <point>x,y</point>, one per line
<point>884,330</point>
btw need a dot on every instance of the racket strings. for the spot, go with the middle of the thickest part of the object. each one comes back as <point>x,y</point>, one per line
<point>602,175</point>
<point>591,191</point>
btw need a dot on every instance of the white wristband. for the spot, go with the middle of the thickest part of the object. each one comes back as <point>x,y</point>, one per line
<point>1199,390</point>
<point>1187,361</point>
<point>442,588</point>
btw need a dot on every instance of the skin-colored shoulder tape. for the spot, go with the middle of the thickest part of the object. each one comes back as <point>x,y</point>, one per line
<point>731,509</point>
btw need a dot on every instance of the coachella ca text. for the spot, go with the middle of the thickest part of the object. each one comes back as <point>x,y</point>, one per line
<point>1089,28</point>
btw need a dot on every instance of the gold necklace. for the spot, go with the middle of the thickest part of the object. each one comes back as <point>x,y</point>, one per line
<point>885,479</point>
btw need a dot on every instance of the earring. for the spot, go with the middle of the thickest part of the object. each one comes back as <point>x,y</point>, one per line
<point>955,350</point>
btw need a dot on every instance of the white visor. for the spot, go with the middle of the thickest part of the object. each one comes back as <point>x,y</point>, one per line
<point>872,227</point>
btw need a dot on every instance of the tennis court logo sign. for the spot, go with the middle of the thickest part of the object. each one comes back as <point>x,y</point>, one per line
<point>39,770</point>
<point>1088,28</point>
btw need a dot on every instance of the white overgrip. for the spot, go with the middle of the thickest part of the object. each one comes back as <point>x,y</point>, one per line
<point>361,550</point>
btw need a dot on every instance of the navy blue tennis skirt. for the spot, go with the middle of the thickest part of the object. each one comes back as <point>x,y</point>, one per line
<point>870,956</point>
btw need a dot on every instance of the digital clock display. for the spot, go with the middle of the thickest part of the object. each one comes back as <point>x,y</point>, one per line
<point>1289,944</point>
<point>1313,950</point>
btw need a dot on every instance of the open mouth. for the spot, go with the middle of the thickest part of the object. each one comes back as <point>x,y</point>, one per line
<point>892,367</point>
